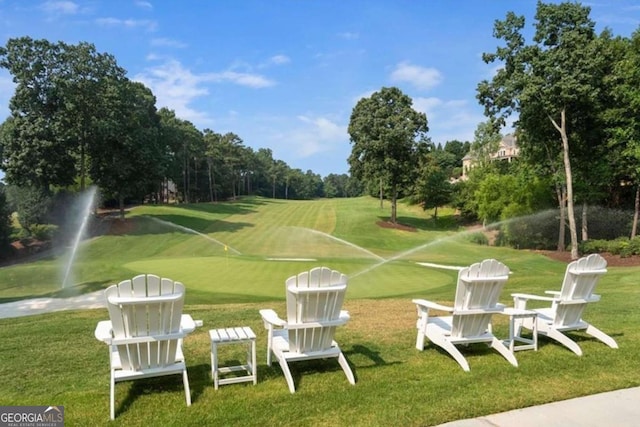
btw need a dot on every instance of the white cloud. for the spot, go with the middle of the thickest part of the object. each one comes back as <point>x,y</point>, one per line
<point>426,105</point>
<point>275,60</point>
<point>420,77</point>
<point>128,23</point>
<point>60,7</point>
<point>349,35</point>
<point>312,135</point>
<point>279,59</point>
<point>144,4</point>
<point>166,42</point>
<point>176,87</point>
<point>242,79</point>
<point>449,120</point>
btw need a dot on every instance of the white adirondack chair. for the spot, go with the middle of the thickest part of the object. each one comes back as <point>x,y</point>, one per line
<point>476,301</point>
<point>567,306</point>
<point>145,331</point>
<point>314,303</point>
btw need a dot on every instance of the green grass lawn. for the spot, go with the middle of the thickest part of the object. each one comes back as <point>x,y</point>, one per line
<point>53,359</point>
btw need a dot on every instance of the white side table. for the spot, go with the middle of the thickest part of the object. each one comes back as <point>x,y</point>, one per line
<point>515,317</point>
<point>238,335</point>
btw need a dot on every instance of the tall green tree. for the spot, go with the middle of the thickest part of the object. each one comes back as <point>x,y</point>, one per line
<point>182,140</point>
<point>558,75</point>
<point>212,151</point>
<point>432,187</point>
<point>5,224</point>
<point>131,160</point>
<point>232,150</point>
<point>623,117</point>
<point>56,109</point>
<point>384,130</point>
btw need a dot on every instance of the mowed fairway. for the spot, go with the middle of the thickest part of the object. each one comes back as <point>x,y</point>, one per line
<point>243,251</point>
<point>54,357</point>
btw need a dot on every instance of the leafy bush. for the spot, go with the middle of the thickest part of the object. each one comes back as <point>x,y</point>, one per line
<point>537,231</point>
<point>43,232</point>
<point>622,246</point>
<point>594,246</point>
<point>32,204</point>
<point>631,248</point>
<point>478,238</point>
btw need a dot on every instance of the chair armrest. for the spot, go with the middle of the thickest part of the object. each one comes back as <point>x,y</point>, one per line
<point>479,311</point>
<point>270,317</point>
<point>319,324</point>
<point>520,300</point>
<point>533,297</point>
<point>187,324</point>
<point>104,328</point>
<point>588,272</point>
<point>147,339</point>
<point>594,298</point>
<point>423,303</point>
<point>103,331</point>
<point>554,293</point>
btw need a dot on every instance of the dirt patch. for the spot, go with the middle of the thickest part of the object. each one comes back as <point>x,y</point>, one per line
<point>612,260</point>
<point>396,226</point>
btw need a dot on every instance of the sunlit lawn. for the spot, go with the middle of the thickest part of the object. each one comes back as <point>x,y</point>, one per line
<point>53,359</point>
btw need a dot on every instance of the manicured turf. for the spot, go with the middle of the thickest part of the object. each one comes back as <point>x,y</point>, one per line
<point>53,359</point>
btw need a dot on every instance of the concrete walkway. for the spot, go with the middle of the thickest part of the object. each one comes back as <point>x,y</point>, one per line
<point>30,307</point>
<point>619,408</point>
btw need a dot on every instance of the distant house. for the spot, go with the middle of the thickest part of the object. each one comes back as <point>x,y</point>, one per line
<point>507,151</point>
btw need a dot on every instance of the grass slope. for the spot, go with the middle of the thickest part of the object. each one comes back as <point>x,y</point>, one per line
<point>224,252</point>
<point>53,359</point>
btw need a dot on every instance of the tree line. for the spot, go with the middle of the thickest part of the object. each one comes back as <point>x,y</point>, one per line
<point>77,120</point>
<point>573,95</point>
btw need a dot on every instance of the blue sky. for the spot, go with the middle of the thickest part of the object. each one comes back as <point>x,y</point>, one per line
<point>286,74</point>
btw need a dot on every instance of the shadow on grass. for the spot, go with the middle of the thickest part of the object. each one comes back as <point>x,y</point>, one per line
<point>442,223</point>
<point>372,355</point>
<point>241,206</point>
<point>202,374</point>
<point>163,384</point>
<point>196,224</point>
<point>304,368</point>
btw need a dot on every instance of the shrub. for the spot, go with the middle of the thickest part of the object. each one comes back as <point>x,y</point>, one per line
<point>537,231</point>
<point>631,248</point>
<point>595,246</point>
<point>621,246</point>
<point>43,232</point>
<point>478,238</point>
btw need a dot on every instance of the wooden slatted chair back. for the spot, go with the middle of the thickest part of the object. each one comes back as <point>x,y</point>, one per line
<point>314,298</point>
<point>578,286</point>
<point>477,295</point>
<point>145,313</point>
